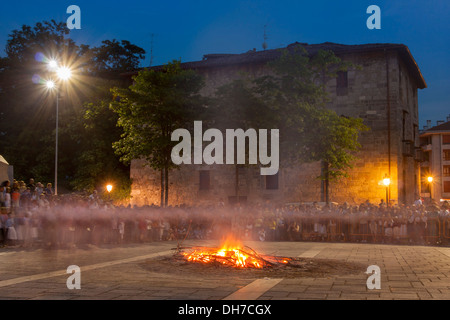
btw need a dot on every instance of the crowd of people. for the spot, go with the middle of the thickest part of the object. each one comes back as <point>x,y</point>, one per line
<point>21,194</point>
<point>38,218</point>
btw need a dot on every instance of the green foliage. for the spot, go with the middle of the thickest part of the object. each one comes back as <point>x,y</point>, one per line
<point>49,37</point>
<point>332,139</point>
<point>308,130</point>
<point>117,56</point>
<point>157,103</point>
<point>97,160</point>
<point>87,127</point>
<point>292,98</point>
<point>235,105</point>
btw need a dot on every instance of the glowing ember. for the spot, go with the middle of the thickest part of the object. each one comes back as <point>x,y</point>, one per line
<point>232,253</point>
<point>234,257</point>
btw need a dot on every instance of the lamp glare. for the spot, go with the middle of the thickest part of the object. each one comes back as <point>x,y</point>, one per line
<point>50,84</point>
<point>64,73</point>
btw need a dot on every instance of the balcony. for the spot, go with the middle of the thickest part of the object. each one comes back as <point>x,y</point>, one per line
<point>426,147</point>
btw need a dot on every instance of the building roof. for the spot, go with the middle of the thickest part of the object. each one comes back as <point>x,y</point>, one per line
<point>442,128</point>
<point>2,160</point>
<point>257,57</point>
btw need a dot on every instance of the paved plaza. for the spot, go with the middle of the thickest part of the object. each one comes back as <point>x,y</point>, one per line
<point>121,272</point>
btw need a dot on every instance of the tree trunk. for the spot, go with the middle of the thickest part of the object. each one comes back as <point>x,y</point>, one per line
<point>166,194</point>
<point>326,166</point>
<point>162,188</point>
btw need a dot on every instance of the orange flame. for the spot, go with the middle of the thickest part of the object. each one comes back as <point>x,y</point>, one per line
<point>230,253</point>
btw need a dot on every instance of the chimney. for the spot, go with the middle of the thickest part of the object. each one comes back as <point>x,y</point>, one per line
<point>448,118</point>
<point>439,122</point>
<point>425,128</point>
<point>429,124</point>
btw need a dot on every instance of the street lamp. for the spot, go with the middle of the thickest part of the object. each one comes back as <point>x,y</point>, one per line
<point>53,64</point>
<point>387,182</point>
<point>109,188</point>
<point>50,84</point>
<point>63,73</point>
<point>430,181</point>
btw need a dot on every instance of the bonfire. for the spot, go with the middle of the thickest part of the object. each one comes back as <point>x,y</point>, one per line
<point>232,253</point>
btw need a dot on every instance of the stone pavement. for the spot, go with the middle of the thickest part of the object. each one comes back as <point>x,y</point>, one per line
<point>111,273</point>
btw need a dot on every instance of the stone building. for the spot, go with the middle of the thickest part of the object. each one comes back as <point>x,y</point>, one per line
<point>383,92</point>
<point>435,167</point>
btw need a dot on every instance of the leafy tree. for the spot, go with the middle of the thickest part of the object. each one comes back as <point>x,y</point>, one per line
<point>309,131</point>
<point>292,98</point>
<point>116,57</point>
<point>157,103</point>
<point>235,105</point>
<point>87,127</point>
<point>27,117</point>
<point>94,128</point>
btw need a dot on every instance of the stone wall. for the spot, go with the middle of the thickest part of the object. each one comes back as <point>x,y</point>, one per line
<point>366,98</point>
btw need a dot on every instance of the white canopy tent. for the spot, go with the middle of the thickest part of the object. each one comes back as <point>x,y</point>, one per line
<point>6,171</point>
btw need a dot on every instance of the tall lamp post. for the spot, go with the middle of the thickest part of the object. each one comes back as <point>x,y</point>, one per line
<point>109,188</point>
<point>63,73</point>
<point>430,181</point>
<point>386,183</point>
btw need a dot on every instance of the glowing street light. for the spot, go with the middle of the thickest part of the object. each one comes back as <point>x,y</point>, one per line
<point>109,188</point>
<point>430,181</point>
<point>63,73</point>
<point>52,64</point>
<point>50,84</point>
<point>387,183</point>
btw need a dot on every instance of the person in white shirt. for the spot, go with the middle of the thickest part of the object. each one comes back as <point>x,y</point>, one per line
<point>418,202</point>
<point>8,199</point>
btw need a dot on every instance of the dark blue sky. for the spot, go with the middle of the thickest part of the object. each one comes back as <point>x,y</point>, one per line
<point>191,28</point>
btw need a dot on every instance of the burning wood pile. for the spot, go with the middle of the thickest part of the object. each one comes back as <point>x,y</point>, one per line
<point>233,254</point>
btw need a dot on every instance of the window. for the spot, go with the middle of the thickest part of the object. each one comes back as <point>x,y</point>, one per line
<point>446,171</point>
<point>446,139</point>
<point>272,182</point>
<point>447,155</point>
<point>204,180</point>
<point>342,83</point>
<point>447,186</point>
